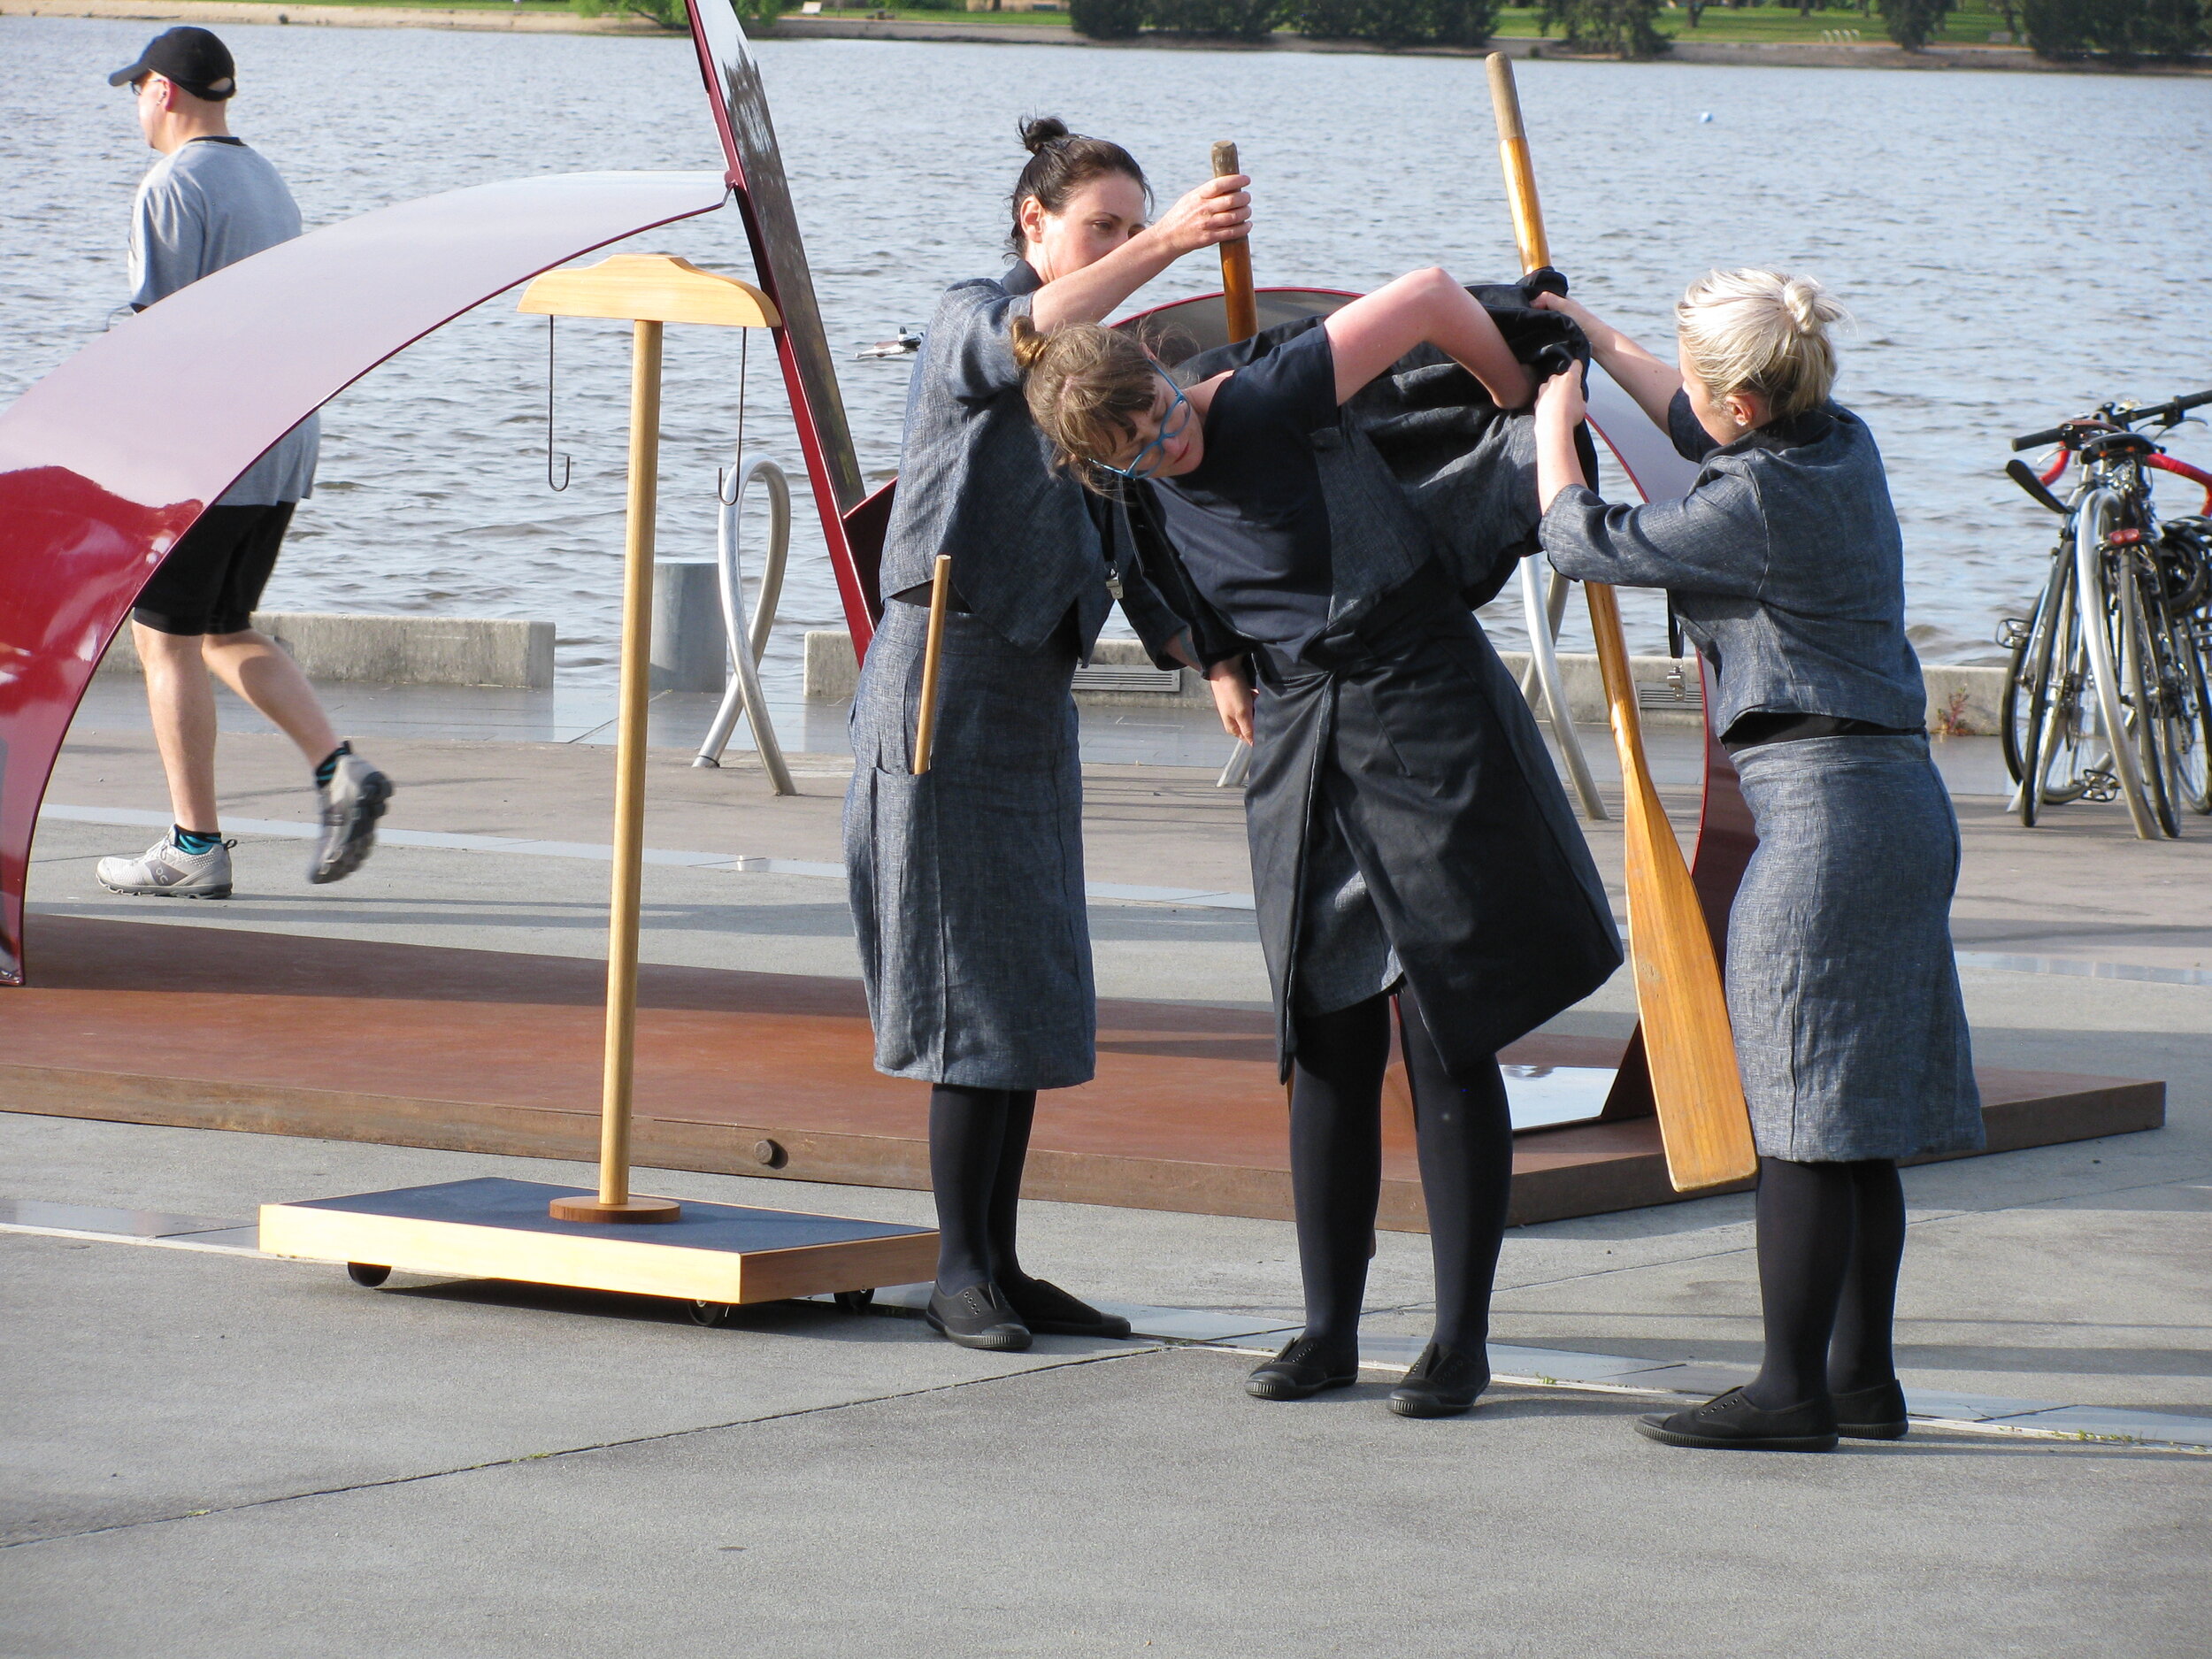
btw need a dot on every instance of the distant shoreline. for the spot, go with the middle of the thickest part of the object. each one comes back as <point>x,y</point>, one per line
<point>1791,55</point>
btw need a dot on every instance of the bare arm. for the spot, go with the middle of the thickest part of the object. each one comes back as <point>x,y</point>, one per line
<point>1218,211</point>
<point>1558,412</point>
<point>1371,334</point>
<point>1652,383</point>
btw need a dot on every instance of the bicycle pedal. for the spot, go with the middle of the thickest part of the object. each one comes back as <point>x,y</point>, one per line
<point>2100,785</point>
<point>2012,632</point>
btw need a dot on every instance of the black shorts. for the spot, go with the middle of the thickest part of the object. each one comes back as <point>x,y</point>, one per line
<point>212,581</point>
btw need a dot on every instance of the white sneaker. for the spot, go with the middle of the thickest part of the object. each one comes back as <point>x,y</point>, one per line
<point>165,871</point>
<point>353,800</point>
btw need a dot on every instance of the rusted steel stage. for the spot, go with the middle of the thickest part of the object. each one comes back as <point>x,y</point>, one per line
<point>747,1073</point>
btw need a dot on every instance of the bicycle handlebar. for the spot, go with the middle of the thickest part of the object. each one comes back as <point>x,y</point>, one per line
<point>2170,412</point>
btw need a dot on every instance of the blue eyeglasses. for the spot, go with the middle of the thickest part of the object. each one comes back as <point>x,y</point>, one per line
<point>1135,472</point>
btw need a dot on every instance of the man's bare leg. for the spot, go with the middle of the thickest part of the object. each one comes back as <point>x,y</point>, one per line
<point>353,792</point>
<point>194,863</point>
<point>181,700</point>
<point>260,671</point>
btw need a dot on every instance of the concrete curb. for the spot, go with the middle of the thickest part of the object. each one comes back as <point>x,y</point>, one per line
<point>395,650</point>
<point>1963,700</point>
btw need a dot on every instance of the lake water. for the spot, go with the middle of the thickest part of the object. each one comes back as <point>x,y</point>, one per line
<point>2015,247</point>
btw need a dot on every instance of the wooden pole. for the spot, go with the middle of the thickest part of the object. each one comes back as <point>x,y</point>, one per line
<point>614,1203</point>
<point>1236,262</point>
<point>1695,1086</point>
<point>926,717</point>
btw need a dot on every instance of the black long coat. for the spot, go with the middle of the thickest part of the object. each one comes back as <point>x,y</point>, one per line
<point>1394,753</point>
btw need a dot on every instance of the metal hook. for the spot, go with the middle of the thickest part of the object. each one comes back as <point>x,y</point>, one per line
<point>726,490</point>
<point>548,415</point>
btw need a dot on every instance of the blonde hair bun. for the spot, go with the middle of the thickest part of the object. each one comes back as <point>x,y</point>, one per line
<point>1757,330</point>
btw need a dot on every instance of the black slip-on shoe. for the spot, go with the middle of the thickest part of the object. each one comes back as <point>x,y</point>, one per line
<point>1051,1312</point>
<point>1730,1422</point>
<point>1873,1414</point>
<point>1305,1368</point>
<point>1441,1383</point>
<point>978,1317</point>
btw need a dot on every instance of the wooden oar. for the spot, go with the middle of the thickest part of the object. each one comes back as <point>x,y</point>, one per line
<point>926,719</point>
<point>1694,1083</point>
<point>1236,263</point>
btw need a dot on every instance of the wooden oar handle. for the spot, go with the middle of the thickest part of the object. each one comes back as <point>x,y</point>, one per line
<point>926,719</point>
<point>1236,262</point>
<point>1520,174</point>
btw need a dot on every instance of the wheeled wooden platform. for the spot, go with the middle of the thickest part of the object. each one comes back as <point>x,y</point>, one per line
<point>751,1074</point>
<point>718,1254</point>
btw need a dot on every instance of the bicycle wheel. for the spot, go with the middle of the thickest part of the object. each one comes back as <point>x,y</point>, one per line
<point>2111,618</point>
<point>2061,724</point>
<point>2027,658</point>
<point>2183,701</point>
<point>2197,633</point>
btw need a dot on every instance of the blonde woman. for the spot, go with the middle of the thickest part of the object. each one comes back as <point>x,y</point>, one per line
<point>1409,838</point>
<point>1786,567</point>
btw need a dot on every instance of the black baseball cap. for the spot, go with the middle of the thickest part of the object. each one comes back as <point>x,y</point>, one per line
<point>194,58</point>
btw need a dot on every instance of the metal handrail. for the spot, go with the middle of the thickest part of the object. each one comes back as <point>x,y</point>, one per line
<point>747,643</point>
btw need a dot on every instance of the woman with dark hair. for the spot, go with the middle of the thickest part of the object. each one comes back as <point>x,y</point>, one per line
<point>967,881</point>
<point>1329,503</point>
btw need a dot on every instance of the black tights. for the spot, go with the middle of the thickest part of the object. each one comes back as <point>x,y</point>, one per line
<point>1830,1237</point>
<point>1465,1136</point>
<point>978,1139</point>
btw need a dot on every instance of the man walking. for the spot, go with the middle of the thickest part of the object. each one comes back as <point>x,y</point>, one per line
<point>209,202</point>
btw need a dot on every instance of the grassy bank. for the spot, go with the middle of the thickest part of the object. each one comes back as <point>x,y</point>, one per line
<point>1972,24</point>
<point>1765,24</point>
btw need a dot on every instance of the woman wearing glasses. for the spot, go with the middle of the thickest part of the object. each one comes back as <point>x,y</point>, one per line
<point>967,882</point>
<point>1328,507</point>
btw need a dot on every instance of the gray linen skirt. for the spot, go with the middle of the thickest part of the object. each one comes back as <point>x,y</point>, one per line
<point>1841,985</point>
<point>967,882</point>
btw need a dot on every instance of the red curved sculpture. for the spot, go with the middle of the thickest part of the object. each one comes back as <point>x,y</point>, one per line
<point>98,478</point>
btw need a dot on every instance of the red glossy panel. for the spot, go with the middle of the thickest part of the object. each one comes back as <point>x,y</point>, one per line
<point>98,476</point>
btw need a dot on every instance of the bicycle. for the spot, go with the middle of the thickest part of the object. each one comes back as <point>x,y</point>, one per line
<point>2109,691</point>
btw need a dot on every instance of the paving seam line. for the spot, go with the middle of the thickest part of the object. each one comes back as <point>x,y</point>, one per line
<point>596,1446</point>
<point>1110,892</point>
<point>1155,1342</point>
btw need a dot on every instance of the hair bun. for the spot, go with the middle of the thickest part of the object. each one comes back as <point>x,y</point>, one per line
<point>1039,130</point>
<point>1810,306</point>
<point>1027,342</point>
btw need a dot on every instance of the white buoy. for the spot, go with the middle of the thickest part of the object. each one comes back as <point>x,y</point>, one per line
<point>1705,116</point>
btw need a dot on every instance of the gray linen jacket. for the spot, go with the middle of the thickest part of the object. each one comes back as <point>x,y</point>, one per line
<point>1784,563</point>
<point>1028,544</point>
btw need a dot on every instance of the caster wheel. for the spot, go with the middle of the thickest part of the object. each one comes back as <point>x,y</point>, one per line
<point>362,1273</point>
<point>855,1300</point>
<point>708,1314</point>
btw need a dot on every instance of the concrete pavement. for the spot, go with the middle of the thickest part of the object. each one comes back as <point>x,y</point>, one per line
<point>213,1453</point>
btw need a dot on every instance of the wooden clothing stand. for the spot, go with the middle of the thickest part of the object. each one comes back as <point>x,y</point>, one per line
<point>715,1255</point>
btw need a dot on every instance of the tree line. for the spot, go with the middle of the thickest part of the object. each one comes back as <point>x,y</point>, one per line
<point>2120,30</point>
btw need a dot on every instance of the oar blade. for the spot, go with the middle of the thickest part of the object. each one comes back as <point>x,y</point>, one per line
<point>1695,1086</point>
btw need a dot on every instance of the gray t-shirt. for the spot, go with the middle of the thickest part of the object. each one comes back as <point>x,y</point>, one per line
<point>209,203</point>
